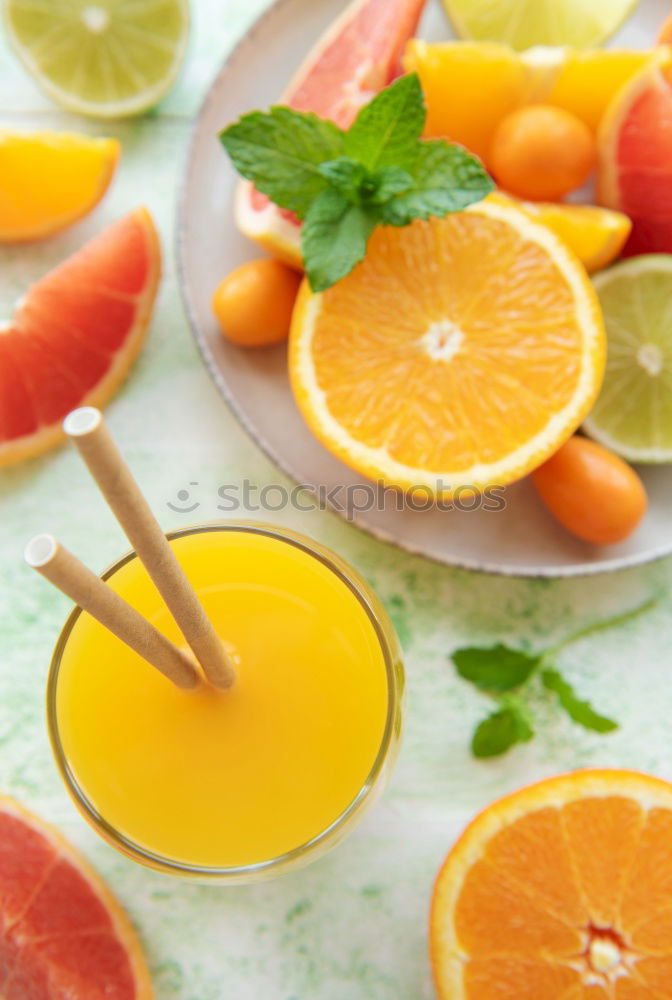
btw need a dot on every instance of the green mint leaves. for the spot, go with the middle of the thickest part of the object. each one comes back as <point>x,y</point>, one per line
<point>513,677</point>
<point>342,185</point>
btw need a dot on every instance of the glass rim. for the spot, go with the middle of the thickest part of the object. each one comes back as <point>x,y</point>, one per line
<point>169,865</point>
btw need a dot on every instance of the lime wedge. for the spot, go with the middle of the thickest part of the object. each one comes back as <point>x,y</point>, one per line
<point>583,24</point>
<point>104,58</point>
<point>633,413</point>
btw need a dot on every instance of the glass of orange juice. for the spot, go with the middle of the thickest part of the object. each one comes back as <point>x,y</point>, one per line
<point>244,784</point>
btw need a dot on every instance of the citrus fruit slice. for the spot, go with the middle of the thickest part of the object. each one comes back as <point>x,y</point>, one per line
<point>460,353</point>
<point>635,156</point>
<point>493,80</point>
<point>63,933</point>
<point>560,891</point>
<point>596,235</point>
<point>75,334</point>
<point>356,57</point>
<point>633,413</point>
<point>522,23</point>
<point>104,58</point>
<point>48,180</point>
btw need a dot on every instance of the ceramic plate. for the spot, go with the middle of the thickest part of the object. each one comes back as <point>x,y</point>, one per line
<point>517,536</point>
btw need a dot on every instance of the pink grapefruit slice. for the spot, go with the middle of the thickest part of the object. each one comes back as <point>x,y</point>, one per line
<point>635,157</point>
<point>359,54</point>
<point>62,933</point>
<point>75,334</point>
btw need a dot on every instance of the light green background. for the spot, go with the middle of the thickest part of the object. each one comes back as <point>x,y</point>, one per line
<point>353,926</point>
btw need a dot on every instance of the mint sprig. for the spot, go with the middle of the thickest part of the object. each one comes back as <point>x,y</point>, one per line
<point>342,185</point>
<point>513,676</point>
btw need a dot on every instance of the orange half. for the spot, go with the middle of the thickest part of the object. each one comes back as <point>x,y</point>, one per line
<point>461,352</point>
<point>561,891</point>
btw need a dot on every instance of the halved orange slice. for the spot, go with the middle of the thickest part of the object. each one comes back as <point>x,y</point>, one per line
<point>62,933</point>
<point>48,180</point>
<point>75,334</point>
<point>461,352</point>
<point>561,891</point>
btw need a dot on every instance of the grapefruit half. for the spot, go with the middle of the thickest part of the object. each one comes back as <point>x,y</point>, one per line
<point>62,933</point>
<point>75,334</point>
<point>359,54</point>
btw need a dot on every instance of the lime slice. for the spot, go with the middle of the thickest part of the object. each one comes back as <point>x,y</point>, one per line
<point>582,24</point>
<point>104,58</point>
<point>633,413</point>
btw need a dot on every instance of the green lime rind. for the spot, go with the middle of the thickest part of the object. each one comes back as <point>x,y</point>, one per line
<point>633,412</point>
<point>102,58</point>
<point>582,24</point>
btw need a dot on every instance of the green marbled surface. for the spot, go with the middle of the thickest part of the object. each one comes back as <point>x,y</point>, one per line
<point>353,926</point>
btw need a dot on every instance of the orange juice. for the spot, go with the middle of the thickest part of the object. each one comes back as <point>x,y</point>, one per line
<point>210,780</point>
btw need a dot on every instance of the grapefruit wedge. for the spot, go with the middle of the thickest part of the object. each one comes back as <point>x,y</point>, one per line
<point>358,55</point>
<point>75,334</point>
<point>62,933</point>
<point>635,157</point>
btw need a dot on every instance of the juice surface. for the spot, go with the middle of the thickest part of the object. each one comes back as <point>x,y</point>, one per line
<point>231,778</point>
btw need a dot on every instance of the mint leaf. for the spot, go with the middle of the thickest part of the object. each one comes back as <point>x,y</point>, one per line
<point>386,130</point>
<point>387,182</point>
<point>334,238</point>
<point>581,712</point>
<point>500,731</point>
<point>345,175</point>
<point>446,179</point>
<point>281,152</point>
<point>496,669</point>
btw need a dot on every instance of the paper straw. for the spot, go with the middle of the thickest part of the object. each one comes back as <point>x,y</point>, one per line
<point>74,579</point>
<point>95,444</point>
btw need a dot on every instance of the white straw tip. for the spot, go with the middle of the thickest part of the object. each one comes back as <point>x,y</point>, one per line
<point>82,421</point>
<point>40,550</point>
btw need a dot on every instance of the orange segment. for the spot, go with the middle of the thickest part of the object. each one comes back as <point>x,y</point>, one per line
<point>596,235</point>
<point>611,820</point>
<point>525,980</point>
<point>460,353</point>
<point>552,893</point>
<point>76,334</point>
<point>496,916</point>
<point>48,180</point>
<point>62,933</point>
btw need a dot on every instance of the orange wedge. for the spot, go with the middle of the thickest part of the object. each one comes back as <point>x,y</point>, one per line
<point>561,891</point>
<point>75,334</point>
<point>461,352</point>
<point>596,235</point>
<point>48,180</point>
<point>62,933</point>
